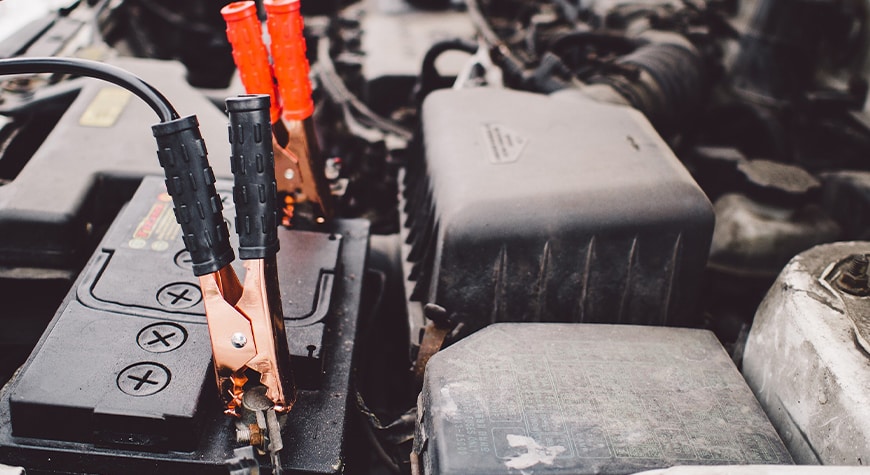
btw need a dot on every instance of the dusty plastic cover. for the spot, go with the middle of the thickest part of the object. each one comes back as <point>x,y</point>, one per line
<point>529,208</point>
<point>577,399</point>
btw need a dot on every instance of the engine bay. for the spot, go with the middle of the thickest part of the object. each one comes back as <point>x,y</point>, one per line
<point>472,236</point>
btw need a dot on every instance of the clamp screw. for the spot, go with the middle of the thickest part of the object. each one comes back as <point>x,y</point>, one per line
<point>238,340</point>
<point>250,434</point>
<point>243,434</point>
<point>854,278</point>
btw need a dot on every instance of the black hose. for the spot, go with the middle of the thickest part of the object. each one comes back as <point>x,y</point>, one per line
<point>667,86</point>
<point>430,78</point>
<point>94,69</point>
<point>618,43</point>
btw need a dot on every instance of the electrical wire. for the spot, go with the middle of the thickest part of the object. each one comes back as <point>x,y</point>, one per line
<point>482,26</point>
<point>338,91</point>
<point>499,51</point>
<point>94,69</point>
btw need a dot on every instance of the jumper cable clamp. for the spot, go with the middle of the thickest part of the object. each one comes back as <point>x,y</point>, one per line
<point>299,163</point>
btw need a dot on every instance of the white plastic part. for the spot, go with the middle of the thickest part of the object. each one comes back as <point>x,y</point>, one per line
<point>759,470</point>
<point>804,364</point>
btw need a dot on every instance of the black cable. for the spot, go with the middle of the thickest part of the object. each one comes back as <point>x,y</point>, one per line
<point>341,95</point>
<point>366,416</point>
<point>430,79</point>
<point>429,70</point>
<point>94,69</point>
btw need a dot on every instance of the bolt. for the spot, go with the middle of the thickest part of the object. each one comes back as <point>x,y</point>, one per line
<point>250,434</point>
<point>288,174</point>
<point>858,265</point>
<point>238,340</point>
<point>854,278</point>
<point>243,434</point>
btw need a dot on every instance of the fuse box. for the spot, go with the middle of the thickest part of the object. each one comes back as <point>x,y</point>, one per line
<point>588,399</point>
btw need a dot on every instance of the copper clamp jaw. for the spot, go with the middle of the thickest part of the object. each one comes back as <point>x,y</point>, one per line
<point>246,327</point>
<point>299,167</point>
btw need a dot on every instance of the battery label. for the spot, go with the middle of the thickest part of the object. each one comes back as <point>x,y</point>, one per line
<point>106,107</point>
<point>158,227</point>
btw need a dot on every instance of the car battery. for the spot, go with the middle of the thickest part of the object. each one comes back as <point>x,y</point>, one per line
<point>587,399</point>
<point>807,355</point>
<point>90,163</point>
<point>123,375</point>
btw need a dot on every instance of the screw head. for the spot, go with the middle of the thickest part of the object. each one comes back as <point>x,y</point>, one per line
<point>854,278</point>
<point>288,174</point>
<point>238,340</point>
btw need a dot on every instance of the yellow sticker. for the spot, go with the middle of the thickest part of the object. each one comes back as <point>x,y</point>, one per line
<point>106,107</point>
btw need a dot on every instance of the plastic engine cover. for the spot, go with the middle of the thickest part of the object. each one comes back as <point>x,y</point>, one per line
<point>805,361</point>
<point>587,399</point>
<point>525,207</point>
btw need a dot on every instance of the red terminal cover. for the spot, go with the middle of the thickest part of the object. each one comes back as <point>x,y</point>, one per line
<point>288,54</point>
<point>249,52</point>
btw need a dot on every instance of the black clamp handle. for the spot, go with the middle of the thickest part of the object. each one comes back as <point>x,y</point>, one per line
<point>255,192</point>
<point>190,181</point>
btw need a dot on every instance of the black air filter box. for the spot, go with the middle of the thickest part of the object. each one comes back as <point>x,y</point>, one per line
<point>524,207</point>
<point>583,399</point>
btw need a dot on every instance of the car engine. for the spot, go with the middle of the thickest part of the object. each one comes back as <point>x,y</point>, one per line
<point>435,237</point>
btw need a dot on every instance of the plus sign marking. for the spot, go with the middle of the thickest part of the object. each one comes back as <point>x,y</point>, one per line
<point>179,295</point>
<point>143,379</point>
<point>161,337</point>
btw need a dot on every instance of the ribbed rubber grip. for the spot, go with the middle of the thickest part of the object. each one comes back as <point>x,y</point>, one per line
<point>288,56</point>
<point>255,192</point>
<point>249,52</point>
<point>190,181</point>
